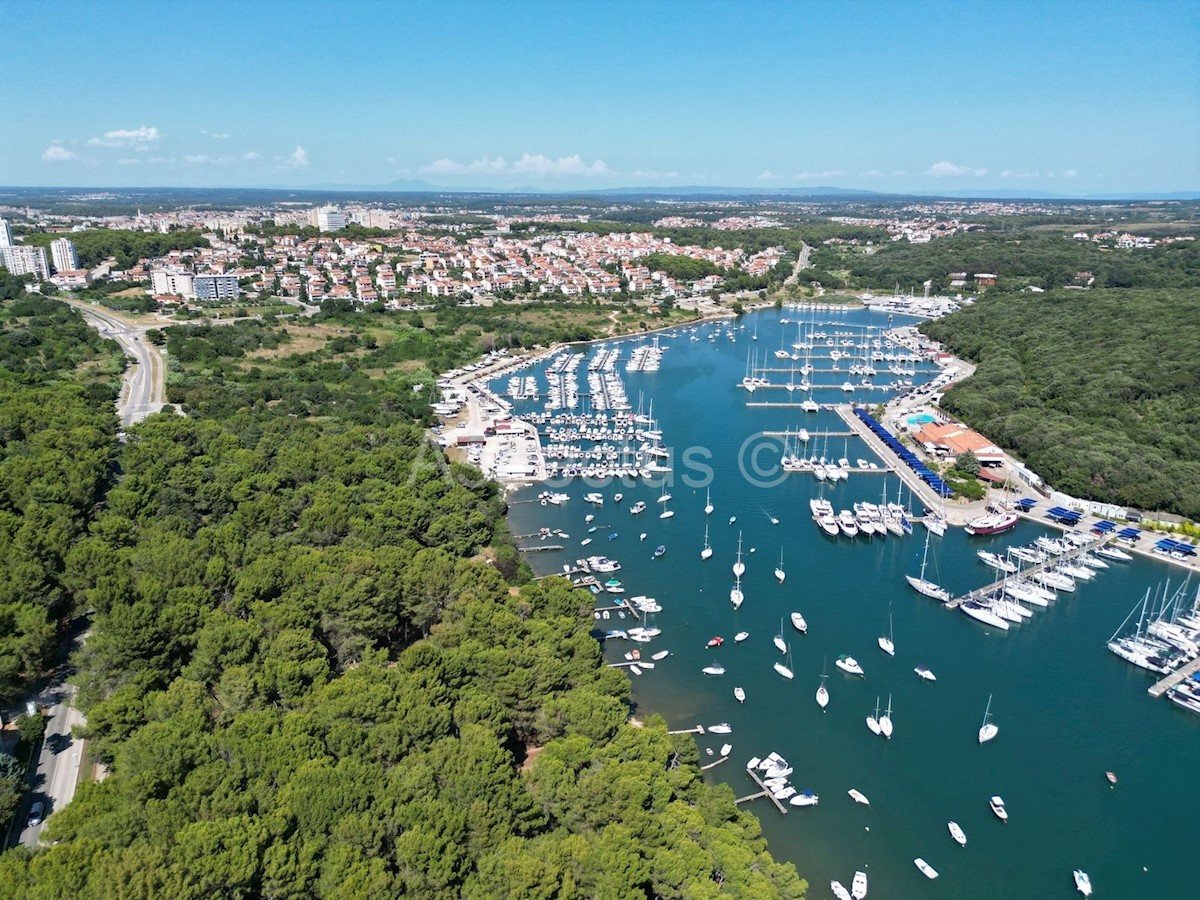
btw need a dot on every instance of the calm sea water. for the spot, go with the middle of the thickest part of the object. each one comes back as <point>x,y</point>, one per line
<point>1067,709</point>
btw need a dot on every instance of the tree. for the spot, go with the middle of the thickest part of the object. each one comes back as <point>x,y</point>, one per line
<point>967,462</point>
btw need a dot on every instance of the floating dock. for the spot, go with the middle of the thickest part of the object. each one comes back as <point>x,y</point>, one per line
<point>1181,674</point>
<point>1030,571</point>
<point>763,792</point>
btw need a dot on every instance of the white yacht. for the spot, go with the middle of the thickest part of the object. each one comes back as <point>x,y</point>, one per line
<point>783,670</point>
<point>804,798</point>
<point>739,567</point>
<point>798,623</point>
<point>925,673</point>
<point>957,833</point>
<point>849,664</point>
<point>922,585</point>
<point>858,796</point>
<point>997,805</point>
<point>739,694</point>
<point>885,641</point>
<point>858,889</point>
<point>988,729</point>
<point>885,721</point>
<point>1083,883</point>
<point>707,551</point>
<point>741,636</point>
<point>873,719</point>
<point>926,869</point>
<point>714,669</point>
<point>822,693</point>
<point>839,890</point>
<point>982,612</point>
<point>708,507</point>
<point>779,573</point>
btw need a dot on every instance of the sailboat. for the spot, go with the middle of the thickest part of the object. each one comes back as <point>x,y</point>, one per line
<point>822,693</point>
<point>885,643</point>
<point>785,671</point>
<point>885,721</point>
<point>779,573</point>
<point>989,729</point>
<point>873,720</point>
<point>922,585</point>
<point>778,640</point>
<point>736,597</point>
<point>708,507</point>
<point>707,551</point>
<point>739,567</point>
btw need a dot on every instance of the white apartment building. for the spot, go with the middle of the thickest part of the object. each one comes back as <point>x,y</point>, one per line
<point>62,251</point>
<point>327,218</point>
<point>6,237</point>
<point>179,283</point>
<point>24,260</point>
<point>216,287</point>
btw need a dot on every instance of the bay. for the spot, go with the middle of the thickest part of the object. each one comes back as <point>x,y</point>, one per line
<point>1067,709</point>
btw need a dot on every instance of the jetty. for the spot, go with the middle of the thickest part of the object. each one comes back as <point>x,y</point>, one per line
<point>763,792</point>
<point>699,729</point>
<point>714,764</point>
<point>1028,571</point>
<point>542,548</point>
<point>1182,673</point>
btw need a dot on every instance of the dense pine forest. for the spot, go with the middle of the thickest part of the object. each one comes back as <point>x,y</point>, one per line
<point>1098,391</point>
<point>317,667</point>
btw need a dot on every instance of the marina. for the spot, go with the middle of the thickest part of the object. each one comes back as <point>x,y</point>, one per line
<point>1051,781</point>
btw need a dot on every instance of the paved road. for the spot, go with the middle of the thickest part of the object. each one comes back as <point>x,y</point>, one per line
<point>53,781</point>
<point>144,391</point>
<point>801,265</point>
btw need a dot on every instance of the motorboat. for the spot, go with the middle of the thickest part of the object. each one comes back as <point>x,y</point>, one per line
<point>926,869</point>
<point>638,507</point>
<point>839,890</point>
<point>926,673</point>
<point>741,636</point>
<point>1109,552</point>
<point>618,497</point>
<point>661,654</point>
<point>1083,883</point>
<point>988,729</point>
<point>996,561</point>
<point>739,694</point>
<point>726,749</point>
<point>659,550</point>
<point>805,798</point>
<point>997,805</point>
<point>848,663</point>
<point>715,642</point>
<point>714,669</point>
<point>858,888</point>
<point>957,833</point>
<point>721,728</point>
<point>993,523</point>
<point>594,497</point>
<point>858,796</point>
<point>798,623</point>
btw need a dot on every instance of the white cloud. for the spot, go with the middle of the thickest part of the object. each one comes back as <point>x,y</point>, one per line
<point>1008,173</point>
<point>216,135</point>
<point>652,173</point>
<point>767,175</point>
<point>899,173</point>
<point>1069,173</point>
<point>198,158</point>
<point>57,153</point>
<point>828,173</point>
<point>126,137</point>
<point>870,173</point>
<point>535,164</point>
<point>297,159</point>
<point>252,155</point>
<point>129,161</point>
<point>950,170</point>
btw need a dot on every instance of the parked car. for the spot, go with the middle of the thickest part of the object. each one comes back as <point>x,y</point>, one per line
<point>36,812</point>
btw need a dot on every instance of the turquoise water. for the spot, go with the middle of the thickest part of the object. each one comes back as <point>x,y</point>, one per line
<point>1067,709</point>
<point>921,419</point>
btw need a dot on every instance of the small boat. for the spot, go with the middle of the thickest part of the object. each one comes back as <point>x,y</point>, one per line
<point>635,670</point>
<point>666,514</point>
<point>739,567</point>
<point>638,507</point>
<point>858,796</point>
<point>822,693</point>
<point>997,805</point>
<point>714,669</point>
<point>617,498</point>
<point>642,536</point>
<point>612,535</point>
<point>873,719</point>
<point>1111,776</point>
<point>707,551</point>
<point>708,507</point>
<point>661,654</point>
<point>739,694</point>
<point>741,636</point>
<point>715,642</point>
<point>798,623</point>
<point>592,530</point>
<point>885,721</point>
<point>720,728</point>
<point>585,542</point>
<point>659,550</point>
<point>779,573</point>
<point>1083,883</point>
<point>839,890</point>
<point>858,889</point>
<point>805,798</point>
<point>726,749</point>
<point>957,833</point>
<point>594,497</point>
<point>926,673</point>
<point>783,670</point>
<point>926,869</point>
<point>848,663</point>
<point>885,641</point>
<point>587,520</point>
<point>732,519</point>
<point>989,729</point>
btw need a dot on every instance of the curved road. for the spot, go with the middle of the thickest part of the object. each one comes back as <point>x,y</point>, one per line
<point>144,391</point>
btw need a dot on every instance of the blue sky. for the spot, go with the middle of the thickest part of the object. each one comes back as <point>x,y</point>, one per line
<point>1056,96</point>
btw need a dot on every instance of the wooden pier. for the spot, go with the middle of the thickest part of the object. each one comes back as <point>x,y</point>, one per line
<point>1181,674</point>
<point>812,436</point>
<point>763,792</point>
<point>541,548</point>
<point>713,765</point>
<point>699,729</point>
<point>1030,571</point>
